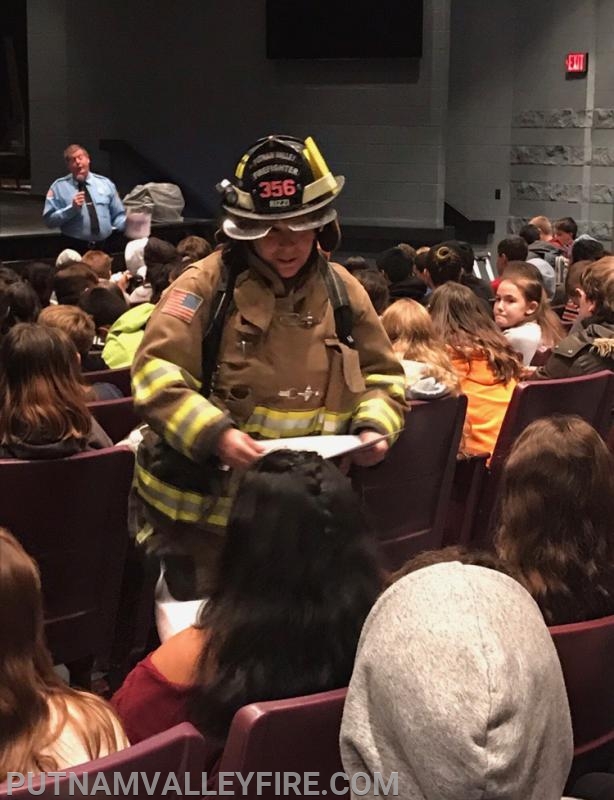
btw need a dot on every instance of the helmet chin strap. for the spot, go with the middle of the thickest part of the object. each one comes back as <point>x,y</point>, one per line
<point>329,236</point>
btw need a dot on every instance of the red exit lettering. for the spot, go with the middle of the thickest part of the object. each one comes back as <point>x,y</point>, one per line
<point>576,62</point>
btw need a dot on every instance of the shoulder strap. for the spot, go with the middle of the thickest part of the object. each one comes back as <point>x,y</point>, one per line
<point>338,296</point>
<point>213,332</point>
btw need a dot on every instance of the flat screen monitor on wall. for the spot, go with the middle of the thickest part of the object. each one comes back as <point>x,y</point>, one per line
<point>340,29</point>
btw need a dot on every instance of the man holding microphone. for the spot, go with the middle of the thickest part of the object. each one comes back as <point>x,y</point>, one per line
<point>83,205</point>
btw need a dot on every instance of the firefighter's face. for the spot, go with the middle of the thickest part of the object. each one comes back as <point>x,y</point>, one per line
<point>285,250</point>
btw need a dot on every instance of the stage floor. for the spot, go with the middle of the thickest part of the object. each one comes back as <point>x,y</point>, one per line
<point>21,214</point>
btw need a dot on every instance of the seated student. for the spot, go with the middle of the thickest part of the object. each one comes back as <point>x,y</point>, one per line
<point>589,347</point>
<point>105,305</point>
<point>585,248</point>
<point>70,282</point>
<point>296,580</point>
<point>556,519</point>
<point>193,248</point>
<point>443,264</point>
<point>487,366</point>
<point>523,313</point>
<point>397,264</point>
<point>44,724</point>
<point>157,255</point>
<point>572,284</point>
<point>457,688</point>
<point>126,333</point>
<point>67,257</point>
<point>421,352</point>
<point>100,262</point>
<point>81,330</point>
<point>376,286</point>
<point>479,287</point>
<point>40,276</point>
<point>512,248</point>
<point>18,303</point>
<point>565,231</point>
<point>42,403</point>
<point>356,263</point>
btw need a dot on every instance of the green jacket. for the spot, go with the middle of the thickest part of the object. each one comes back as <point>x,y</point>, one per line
<point>125,336</point>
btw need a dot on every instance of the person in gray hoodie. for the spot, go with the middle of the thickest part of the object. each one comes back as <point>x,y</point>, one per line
<point>458,689</point>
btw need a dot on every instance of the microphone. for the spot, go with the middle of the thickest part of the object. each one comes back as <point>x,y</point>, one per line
<point>81,186</point>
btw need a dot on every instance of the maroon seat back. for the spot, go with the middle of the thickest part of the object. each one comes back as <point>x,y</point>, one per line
<point>282,736</point>
<point>70,514</point>
<point>116,417</point>
<point>407,495</point>
<point>179,750</point>
<point>540,357</point>
<point>589,396</point>
<point>118,377</point>
<point>586,651</point>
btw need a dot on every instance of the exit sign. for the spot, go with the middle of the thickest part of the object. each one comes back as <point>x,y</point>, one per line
<point>576,64</point>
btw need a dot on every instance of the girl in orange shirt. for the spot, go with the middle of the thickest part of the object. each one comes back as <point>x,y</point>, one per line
<point>487,367</point>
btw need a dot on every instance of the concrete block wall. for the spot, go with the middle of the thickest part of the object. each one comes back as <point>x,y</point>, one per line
<point>562,154</point>
<point>192,89</point>
<point>478,132</point>
<point>487,108</point>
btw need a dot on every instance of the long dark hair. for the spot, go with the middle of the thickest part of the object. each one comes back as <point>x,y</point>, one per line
<point>464,325</point>
<point>41,397</point>
<point>35,704</point>
<point>556,518</point>
<point>297,578</point>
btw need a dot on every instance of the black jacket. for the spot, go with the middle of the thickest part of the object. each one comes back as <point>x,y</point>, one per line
<point>588,349</point>
<point>35,451</point>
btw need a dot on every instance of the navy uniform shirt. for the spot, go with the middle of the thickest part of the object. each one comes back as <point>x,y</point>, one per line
<point>60,213</point>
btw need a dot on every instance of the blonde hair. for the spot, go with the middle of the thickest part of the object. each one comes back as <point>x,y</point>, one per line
<point>411,332</point>
<point>542,224</point>
<point>35,705</point>
<point>78,325</point>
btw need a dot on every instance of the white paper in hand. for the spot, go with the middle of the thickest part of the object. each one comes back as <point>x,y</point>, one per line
<point>325,446</point>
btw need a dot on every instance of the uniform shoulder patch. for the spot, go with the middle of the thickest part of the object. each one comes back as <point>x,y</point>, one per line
<point>181,304</point>
<point>50,194</point>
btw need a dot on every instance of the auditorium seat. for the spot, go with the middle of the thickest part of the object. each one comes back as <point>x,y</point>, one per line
<point>116,417</point>
<point>586,651</point>
<point>589,396</point>
<point>118,377</point>
<point>70,514</point>
<point>148,764</point>
<point>299,735</point>
<point>406,496</point>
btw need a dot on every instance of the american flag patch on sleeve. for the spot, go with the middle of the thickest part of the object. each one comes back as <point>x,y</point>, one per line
<point>182,305</point>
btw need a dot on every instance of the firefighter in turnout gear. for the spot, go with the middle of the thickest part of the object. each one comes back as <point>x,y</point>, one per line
<point>261,340</point>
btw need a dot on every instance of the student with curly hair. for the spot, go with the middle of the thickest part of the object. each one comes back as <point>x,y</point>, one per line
<point>296,580</point>
<point>556,519</point>
<point>44,724</point>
